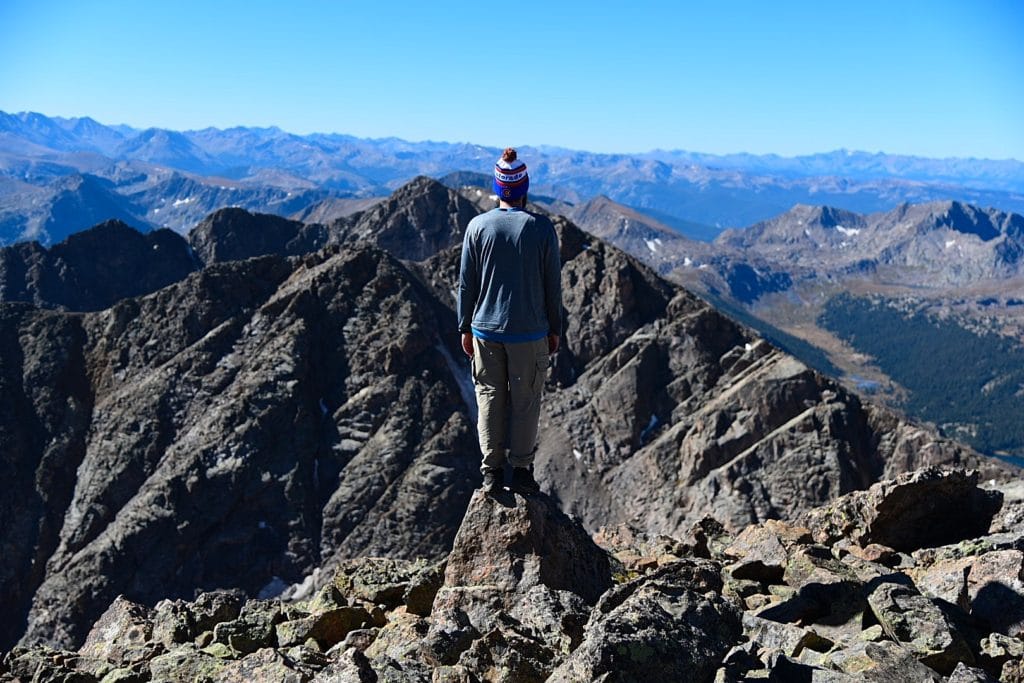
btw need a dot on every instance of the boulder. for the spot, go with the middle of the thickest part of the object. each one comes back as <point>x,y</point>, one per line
<point>186,664</point>
<point>926,508</point>
<point>351,667</point>
<point>253,629</point>
<point>210,609</point>
<point>915,622</point>
<point>327,628</point>
<point>969,674</point>
<point>761,552</point>
<point>508,546</point>
<point>377,580</point>
<point>669,625</point>
<point>173,623</point>
<point>122,635</point>
<point>882,662</point>
<point>264,666</point>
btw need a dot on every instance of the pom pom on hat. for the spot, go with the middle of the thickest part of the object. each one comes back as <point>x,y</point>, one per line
<point>510,178</point>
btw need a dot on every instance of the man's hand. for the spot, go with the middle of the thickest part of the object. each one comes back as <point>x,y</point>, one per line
<point>552,344</point>
<point>467,343</point>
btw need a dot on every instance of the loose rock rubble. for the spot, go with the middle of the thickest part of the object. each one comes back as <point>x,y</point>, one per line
<point>527,595</point>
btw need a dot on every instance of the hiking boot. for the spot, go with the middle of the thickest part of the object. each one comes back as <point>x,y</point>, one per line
<point>523,481</point>
<point>493,477</point>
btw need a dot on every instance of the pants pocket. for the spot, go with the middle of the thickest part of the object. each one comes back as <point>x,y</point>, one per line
<point>541,374</point>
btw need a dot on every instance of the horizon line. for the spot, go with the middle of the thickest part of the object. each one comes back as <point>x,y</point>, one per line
<point>537,146</point>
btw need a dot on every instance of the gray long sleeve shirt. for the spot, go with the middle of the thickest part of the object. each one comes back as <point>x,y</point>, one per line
<point>510,282</point>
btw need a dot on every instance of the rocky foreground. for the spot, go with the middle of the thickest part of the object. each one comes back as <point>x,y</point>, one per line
<point>918,578</point>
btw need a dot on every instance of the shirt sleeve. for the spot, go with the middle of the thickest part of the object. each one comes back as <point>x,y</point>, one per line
<point>553,282</point>
<point>469,284</point>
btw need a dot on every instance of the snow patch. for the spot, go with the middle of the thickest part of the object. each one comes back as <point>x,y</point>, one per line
<point>849,232</point>
<point>950,243</point>
<point>579,456</point>
<point>464,379</point>
<point>652,245</point>
<point>304,589</point>
<point>273,589</point>
<point>687,261</point>
<point>186,200</point>
<point>651,425</point>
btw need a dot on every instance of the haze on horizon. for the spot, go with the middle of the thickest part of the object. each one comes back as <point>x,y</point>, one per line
<point>934,79</point>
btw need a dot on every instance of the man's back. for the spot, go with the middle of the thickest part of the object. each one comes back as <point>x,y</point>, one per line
<point>511,283</point>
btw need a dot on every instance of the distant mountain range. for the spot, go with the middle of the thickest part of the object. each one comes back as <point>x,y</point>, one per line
<point>61,175</point>
<point>921,305</point>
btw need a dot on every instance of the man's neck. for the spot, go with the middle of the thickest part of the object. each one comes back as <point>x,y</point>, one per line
<point>505,205</point>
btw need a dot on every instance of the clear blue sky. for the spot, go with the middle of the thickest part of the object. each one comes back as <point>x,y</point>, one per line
<point>937,78</point>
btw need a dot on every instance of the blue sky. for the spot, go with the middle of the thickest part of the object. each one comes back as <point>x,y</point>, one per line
<point>935,78</point>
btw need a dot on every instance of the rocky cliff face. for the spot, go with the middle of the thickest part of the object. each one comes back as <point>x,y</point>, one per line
<point>266,418</point>
<point>933,244</point>
<point>252,421</point>
<point>93,269</point>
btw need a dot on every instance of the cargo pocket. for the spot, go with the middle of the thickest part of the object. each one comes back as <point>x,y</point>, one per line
<point>541,374</point>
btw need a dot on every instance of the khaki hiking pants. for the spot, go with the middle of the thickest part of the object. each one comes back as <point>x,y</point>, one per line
<point>509,380</point>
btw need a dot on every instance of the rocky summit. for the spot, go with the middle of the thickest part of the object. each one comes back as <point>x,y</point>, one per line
<point>264,470</point>
<point>526,594</point>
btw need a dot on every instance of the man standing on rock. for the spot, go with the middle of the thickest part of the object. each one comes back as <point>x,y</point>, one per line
<point>510,317</point>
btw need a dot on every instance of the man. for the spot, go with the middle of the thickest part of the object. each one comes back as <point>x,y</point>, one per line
<point>510,317</point>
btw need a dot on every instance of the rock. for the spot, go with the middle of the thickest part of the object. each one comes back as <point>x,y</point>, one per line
<point>264,666</point>
<point>173,623</point>
<point>122,635</point>
<point>380,581</point>
<point>234,234</point>
<point>210,609</point>
<point>995,583</point>
<point>186,664</point>
<point>875,552</point>
<point>507,547</point>
<point>423,587</point>
<point>785,638</point>
<point>327,628</point>
<point>967,674</point>
<point>401,639</point>
<point>351,667</point>
<point>946,580</point>
<point>360,638</point>
<point>253,629</point>
<point>884,662</point>
<point>912,620</point>
<point>785,669</point>
<point>989,586</point>
<point>47,664</point>
<point>176,429</point>
<point>556,617</point>
<point>507,655</point>
<point>93,269</point>
<point>917,510</point>
<point>761,550</point>
<point>665,626</point>
<point>453,674</point>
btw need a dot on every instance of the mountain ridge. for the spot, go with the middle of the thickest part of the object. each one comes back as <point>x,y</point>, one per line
<point>255,413</point>
<point>688,190</point>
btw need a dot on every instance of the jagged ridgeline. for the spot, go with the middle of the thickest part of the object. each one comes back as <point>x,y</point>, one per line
<point>273,398</point>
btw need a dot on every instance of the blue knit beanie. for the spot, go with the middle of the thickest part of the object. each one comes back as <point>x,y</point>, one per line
<point>510,178</point>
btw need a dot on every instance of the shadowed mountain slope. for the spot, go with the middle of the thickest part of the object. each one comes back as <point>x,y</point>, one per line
<point>261,419</point>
